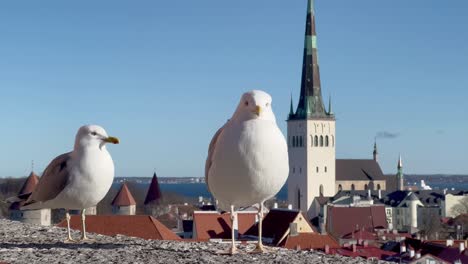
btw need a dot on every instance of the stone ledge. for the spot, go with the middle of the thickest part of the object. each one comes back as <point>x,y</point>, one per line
<point>26,243</point>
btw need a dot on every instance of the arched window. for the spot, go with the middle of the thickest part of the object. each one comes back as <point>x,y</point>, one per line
<point>294,170</point>
<point>321,141</point>
<point>300,141</point>
<point>333,141</point>
<point>366,187</point>
<point>321,190</point>
<point>311,140</point>
<point>300,169</point>
<point>316,141</point>
<point>325,168</point>
<point>294,141</point>
<point>378,186</point>
<point>340,188</point>
<point>327,142</point>
<point>317,169</point>
<point>352,187</point>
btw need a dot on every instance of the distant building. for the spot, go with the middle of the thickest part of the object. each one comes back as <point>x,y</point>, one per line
<point>153,197</point>
<point>314,169</point>
<point>278,224</point>
<point>40,216</point>
<point>124,203</point>
<point>141,226</point>
<point>342,220</point>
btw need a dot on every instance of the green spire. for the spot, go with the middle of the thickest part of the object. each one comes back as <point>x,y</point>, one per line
<point>330,111</point>
<point>310,7</point>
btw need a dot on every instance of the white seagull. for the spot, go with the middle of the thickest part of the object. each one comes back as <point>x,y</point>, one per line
<point>76,180</point>
<point>247,159</point>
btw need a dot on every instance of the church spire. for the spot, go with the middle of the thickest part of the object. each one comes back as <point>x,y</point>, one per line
<point>291,109</point>
<point>400,177</point>
<point>376,152</point>
<point>310,102</point>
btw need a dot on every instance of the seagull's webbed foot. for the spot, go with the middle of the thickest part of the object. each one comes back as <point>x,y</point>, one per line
<point>70,240</point>
<point>231,251</point>
<point>86,239</point>
<point>259,249</point>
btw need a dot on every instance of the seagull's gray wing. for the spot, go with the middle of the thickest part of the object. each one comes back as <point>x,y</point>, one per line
<point>52,182</point>
<point>209,159</point>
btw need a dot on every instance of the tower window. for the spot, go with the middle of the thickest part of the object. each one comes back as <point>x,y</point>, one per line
<point>327,143</point>
<point>317,169</point>
<point>316,141</point>
<point>340,188</point>
<point>298,199</point>
<point>321,141</point>
<point>366,187</point>
<point>333,141</point>
<point>378,186</point>
<point>321,190</point>
<point>294,170</point>
<point>325,168</point>
<point>353,187</point>
<point>311,140</point>
<point>300,141</point>
<point>300,169</point>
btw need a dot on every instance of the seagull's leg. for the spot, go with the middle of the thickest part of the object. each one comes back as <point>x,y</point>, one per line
<point>260,248</point>
<point>83,220</point>
<point>233,246</point>
<point>69,239</point>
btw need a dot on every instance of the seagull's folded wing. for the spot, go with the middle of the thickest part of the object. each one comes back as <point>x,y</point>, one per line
<point>52,182</point>
<point>209,159</point>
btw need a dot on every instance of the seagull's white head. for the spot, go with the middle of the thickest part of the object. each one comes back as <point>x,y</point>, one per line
<point>255,104</point>
<point>93,136</point>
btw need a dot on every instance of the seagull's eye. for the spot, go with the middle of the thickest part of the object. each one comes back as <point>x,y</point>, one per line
<point>246,103</point>
<point>93,133</point>
<point>267,104</point>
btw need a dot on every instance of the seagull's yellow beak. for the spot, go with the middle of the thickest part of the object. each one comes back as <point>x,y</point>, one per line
<point>112,140</point>
<point>258,110</point>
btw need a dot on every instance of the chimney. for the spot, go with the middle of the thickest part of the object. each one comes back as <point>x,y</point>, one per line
<point>411,253</point>
<point>402,248</point>
<point>449,242</point>
<point>293,229</point>
<point>327,249</point>
<point>289,206</point>
<point>380,194</point>
<point>418,255</point>
<point>368,193</point>
<point>354,248</point>
<point>275,205</point>
<point>461,246</point>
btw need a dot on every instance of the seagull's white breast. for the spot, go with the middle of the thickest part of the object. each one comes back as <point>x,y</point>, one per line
<point>91,176</point>
<point>250,163</point>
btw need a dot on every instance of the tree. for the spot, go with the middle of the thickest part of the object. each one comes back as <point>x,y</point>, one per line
<point>461,207</point>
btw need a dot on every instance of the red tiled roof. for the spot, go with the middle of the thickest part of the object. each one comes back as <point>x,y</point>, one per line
<point>307,241</point>
<point>154,192</point>
<point>142,226</point>
<point>361,234</point>
<point>124,197</point>
<point>276,224</point>
<point>344,220</point>
<point>28,187</point>
<point>209,225</point>
<point>363,252</point>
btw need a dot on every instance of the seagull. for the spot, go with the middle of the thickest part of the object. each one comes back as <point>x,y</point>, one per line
<point>247,159</point>
<point>78,179</point>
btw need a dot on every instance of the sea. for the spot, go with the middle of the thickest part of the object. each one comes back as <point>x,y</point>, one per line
<point>195,190</point>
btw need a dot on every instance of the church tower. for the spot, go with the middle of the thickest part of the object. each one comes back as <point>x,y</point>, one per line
<point>311,132</point>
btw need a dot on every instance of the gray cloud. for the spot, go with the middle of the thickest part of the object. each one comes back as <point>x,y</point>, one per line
<point>387,135</point>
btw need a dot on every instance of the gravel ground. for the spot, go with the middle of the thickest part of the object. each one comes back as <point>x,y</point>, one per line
<point>24,243</point>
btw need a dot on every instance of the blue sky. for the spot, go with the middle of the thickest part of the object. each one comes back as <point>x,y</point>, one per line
<point>164,75</point>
